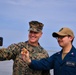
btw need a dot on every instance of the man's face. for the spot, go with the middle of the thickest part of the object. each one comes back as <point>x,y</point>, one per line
<point>34,36</point>
<point>64,40</point>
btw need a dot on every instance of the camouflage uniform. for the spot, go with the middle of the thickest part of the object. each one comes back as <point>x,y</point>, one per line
<point>19,66</point>
<point>14,52</point>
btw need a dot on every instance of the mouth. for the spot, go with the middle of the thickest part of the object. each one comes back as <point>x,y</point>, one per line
<point>32,38</point>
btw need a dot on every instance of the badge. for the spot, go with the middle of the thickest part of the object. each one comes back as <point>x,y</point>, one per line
<point>71,63</point>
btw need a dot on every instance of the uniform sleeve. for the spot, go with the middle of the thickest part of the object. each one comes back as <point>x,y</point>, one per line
<point>43,64</point>
<point>46,72</point>
<point>9,52</point>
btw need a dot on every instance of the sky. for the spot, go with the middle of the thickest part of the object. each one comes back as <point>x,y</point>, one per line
<point>15,16</point>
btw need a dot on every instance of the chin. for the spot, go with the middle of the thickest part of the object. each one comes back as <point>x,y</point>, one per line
<point>60,45</point>
<point>32,41</point>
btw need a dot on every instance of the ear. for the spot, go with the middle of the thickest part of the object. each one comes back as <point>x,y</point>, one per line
<point>71,38</point>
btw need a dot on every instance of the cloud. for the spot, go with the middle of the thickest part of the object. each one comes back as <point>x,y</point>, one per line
<point>16,2</point>
<point>53,13</point>
<point>52,9</point>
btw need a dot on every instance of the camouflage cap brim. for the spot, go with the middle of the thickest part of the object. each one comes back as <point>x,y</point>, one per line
<point>34,29</point>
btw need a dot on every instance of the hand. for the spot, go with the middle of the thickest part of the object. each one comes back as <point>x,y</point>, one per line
<point>24,51</point>
<point>25,56</point>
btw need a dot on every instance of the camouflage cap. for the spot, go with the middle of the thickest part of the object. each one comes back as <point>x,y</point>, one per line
<point>35,26</point>
<point>63,32</point>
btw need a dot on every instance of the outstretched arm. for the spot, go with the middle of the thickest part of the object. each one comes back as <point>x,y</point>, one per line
<point>43,64</point>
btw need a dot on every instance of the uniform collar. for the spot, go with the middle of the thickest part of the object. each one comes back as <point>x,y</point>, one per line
<point>71,53</point>
<point>32,45</point>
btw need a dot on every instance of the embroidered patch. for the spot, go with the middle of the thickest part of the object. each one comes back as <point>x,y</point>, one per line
<point>70,63</point>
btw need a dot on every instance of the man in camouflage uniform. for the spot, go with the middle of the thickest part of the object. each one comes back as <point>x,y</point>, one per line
<point>32,45</point>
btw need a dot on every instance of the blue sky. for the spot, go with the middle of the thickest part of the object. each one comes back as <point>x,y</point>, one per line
<point>16,14</point>
<point>54,14</point>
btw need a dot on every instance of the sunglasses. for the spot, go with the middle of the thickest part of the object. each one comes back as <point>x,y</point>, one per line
<point>61,37</point>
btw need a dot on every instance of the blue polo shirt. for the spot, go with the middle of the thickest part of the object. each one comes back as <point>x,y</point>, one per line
<point>67,66</point>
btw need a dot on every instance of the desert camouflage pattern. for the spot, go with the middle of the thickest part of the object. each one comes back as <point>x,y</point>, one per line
<point>19,66</point>
<point>35,26</point>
